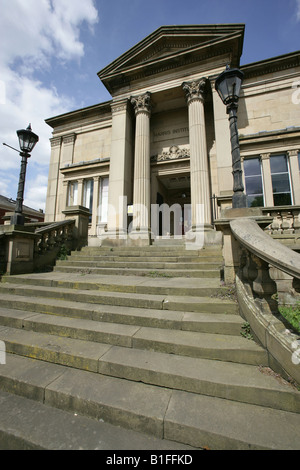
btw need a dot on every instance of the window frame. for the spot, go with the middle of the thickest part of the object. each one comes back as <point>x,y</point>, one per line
<point>255,157</point>
<point>288,172</point>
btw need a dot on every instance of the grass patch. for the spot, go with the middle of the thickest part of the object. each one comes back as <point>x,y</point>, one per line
<point>292,315</point>
<point>158,274</point>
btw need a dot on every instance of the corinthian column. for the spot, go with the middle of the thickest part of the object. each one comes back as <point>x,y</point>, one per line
<point>200,193</point>
<point>141,188</point>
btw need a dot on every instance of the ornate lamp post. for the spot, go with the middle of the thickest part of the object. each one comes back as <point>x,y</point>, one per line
<point>228,85</point>
<point>27,141</point>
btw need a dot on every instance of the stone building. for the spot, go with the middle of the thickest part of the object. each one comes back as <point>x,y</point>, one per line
<point>164,137</point>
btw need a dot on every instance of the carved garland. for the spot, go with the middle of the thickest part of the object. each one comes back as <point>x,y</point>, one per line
<point>174,153</point>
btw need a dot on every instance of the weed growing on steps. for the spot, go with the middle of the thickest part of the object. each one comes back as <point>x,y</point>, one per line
<point>158,274</point>
<point>246,331</point>
<point>63,253</point>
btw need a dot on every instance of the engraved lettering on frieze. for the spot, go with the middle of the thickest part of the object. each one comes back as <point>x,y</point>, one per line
<point>174,153</point>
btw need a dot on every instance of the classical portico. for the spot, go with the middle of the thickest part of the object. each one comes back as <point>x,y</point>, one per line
<point>196,172</point>
<point>163,140</point>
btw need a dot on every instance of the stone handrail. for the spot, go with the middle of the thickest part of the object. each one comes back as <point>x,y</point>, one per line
<point>251,237</point>
<point>267,278</point>
<point>50,239</point>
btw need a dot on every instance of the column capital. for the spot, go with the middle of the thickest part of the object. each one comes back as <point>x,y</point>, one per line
<point>69,138</point>
<point>55,141</point>
<point>265,156</point>
<point>195,90</point>
<point>293,153</point>
<point>142,103</point>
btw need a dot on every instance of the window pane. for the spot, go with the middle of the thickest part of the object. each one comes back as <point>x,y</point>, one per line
<point>253,182</point>
<point>103,198</point>
<point>253,185</point>
<point>255,201</point>
<point>88,194</point>
<point>281,183</point>
<point>282,199</point>
<point>73,193</point>
<point>278,164</point>
<point>252,167</point>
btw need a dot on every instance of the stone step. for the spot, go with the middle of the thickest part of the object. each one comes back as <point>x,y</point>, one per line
<point>149,301</point>
<point>191,273</point>
<point>31,425</point>
<point>195,420</point>
<point>139,285</point>
<point>206,262</point>
<point>145,265</point>
<point>239,382</point>
<point>186,321</point>
<point>185,343</point>
<point>152,249</point>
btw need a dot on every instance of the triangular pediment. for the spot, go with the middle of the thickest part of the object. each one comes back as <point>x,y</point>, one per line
<point>170,43</point>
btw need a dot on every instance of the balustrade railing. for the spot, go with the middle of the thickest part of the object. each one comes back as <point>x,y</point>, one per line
<point>272,269</point>
<point>268,279</point>
<point>53,236</point>
<point>286,220</point>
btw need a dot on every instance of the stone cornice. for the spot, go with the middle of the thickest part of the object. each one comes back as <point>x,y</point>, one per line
<point>271,65</point>
<point>97,112</point>
<point>166,49</point>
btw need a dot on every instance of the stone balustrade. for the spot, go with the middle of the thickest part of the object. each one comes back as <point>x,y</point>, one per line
<point>50,240</point>
<point>286,220</point>
<point>268,276</point>
<point>24,249</point>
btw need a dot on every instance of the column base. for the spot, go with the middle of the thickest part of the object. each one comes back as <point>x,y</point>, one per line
<point>200,236</point>
<point>239,200</point>
<point>117,237</point>
<point>141,237</point>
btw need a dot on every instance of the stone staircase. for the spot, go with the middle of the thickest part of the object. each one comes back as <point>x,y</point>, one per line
<point>131,348</point>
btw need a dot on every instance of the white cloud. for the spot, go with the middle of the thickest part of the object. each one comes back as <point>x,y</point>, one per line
<point>33,35</point>
<point>298,10</point>
<point>35,195</point>
<point>39,29</point>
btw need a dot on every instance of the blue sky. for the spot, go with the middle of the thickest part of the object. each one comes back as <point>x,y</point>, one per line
<point>51,51</point>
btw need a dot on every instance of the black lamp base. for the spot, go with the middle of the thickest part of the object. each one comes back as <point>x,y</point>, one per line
<point>239,200</point>
<point>17,219</point>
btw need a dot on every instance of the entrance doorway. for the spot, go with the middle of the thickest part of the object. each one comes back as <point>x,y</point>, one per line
<point>174,201</point>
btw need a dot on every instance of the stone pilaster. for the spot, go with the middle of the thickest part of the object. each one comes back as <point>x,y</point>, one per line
<point>120,173</point>
<point>95,206</point>
<point>200,192</point>
<point>52,190</point>
<point>141,189</point>
<point>267,179</point>
<point>295,175</point>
